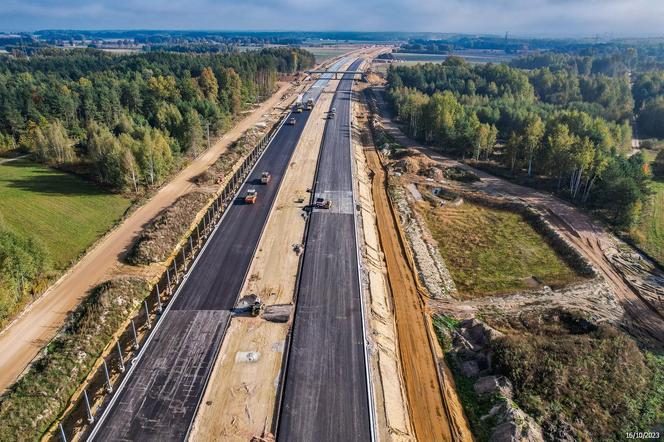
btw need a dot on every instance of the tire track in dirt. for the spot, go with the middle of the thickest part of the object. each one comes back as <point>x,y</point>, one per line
<point>434,408</point>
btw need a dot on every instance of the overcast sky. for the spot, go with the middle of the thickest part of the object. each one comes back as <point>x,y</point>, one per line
<point>534,17</point>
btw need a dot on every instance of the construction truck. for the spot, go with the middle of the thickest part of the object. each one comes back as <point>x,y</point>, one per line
<point>297,107</point>
<point>256,307</point>
<point>310,104</point>
<point>251,196</point>
<point>266,177</point>
<point>251,304</point>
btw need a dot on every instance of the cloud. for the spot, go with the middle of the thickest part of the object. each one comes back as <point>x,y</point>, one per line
<point>534,17</point>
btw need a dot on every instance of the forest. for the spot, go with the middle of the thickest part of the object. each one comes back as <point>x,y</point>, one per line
<point>557,129</point>
<point>128,121</point>
<point>640,64</point>
<point>125,122</point>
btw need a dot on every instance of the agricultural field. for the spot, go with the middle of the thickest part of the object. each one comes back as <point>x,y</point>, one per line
<point>382,67</point>
<point>492,252</point>
<point>473,57</point>
<point>469,56</point>
<point>649,231</point>
<point>63,212</point>
<point>323,53</point>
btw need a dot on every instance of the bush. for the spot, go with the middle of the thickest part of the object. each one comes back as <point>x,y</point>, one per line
<point>22,263</point>
<point>657,166</point>
<point>42,394</point>
<point>460,174</point>
<point>576,377</point>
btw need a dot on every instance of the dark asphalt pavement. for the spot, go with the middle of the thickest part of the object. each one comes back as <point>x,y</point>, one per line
<point>159,399</point>
<point>326,392</point>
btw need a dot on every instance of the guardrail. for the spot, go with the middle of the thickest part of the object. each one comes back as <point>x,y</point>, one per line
<point>356,221</point>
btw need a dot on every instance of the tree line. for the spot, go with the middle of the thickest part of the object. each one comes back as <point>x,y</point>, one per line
<point>648,89</point>
<point>494,88</point>
<point>125,121</point>
<point>612,58</point>
<point>644,99</point>
<point>128,120</point>
<point>500,113</point>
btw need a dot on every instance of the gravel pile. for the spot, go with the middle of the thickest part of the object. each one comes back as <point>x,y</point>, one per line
<point>159,239</point>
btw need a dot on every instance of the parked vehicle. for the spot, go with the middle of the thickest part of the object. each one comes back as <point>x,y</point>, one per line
<point>251,304</point>
<point>322,203</point>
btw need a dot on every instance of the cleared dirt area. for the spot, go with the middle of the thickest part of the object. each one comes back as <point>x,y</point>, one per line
<point>392,410</point>
<point>239,402</point>
<point>399,319</point>
<point>25,336</point>
<point>435,410</point>
<point>643,319</point>
<point>434,415</point>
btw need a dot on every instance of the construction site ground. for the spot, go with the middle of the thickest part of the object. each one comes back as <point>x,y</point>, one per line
<point>631,278</point>
<point>435,410</point>
<point>239,402</point>
<point>393,417</point>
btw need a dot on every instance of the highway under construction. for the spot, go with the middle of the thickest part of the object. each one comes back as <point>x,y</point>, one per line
<point>159,396</point>
<point>327,393</point>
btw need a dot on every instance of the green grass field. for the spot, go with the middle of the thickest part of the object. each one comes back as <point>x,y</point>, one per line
<point>472,57</point>
<point>64,212</point>
<point>649,231</point>
<point>469,56</point>
<point>383,67</point>
<point>325,53</point>
<point>491,252</point>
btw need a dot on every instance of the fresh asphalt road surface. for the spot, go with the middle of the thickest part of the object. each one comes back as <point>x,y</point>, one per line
<point>326,394</point>
<point>158,401</point>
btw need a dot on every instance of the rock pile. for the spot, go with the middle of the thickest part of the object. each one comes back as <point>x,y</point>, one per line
<point>472,352</point>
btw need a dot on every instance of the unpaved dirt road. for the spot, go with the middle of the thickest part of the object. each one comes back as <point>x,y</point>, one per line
<point>392,412</point>
<point>642,320</point>
<point>22,339</point>
<point>435,415</point>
